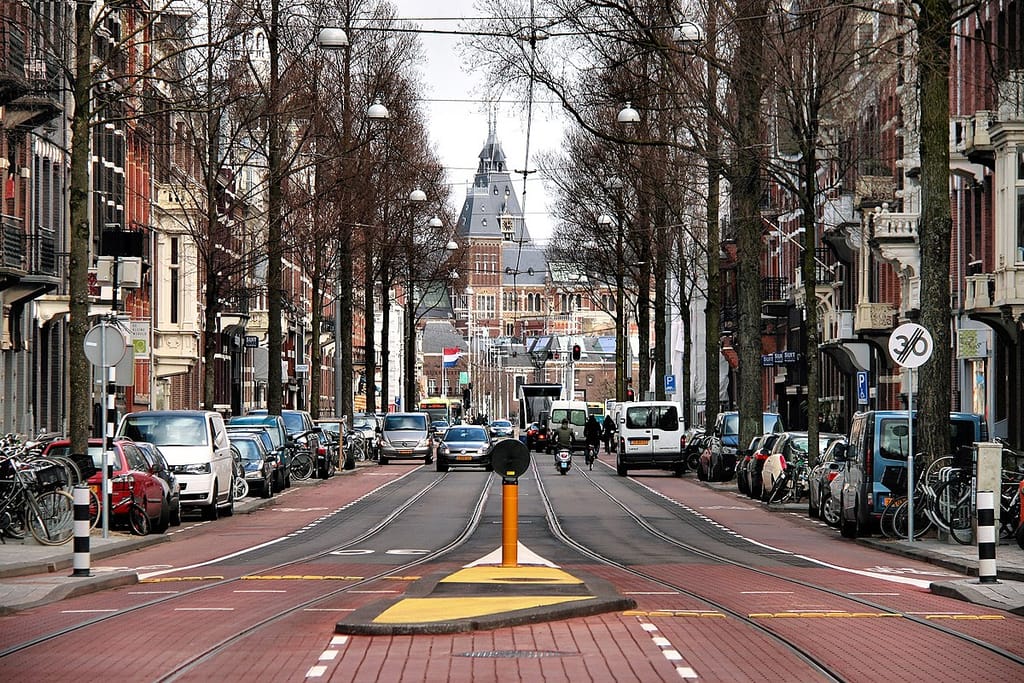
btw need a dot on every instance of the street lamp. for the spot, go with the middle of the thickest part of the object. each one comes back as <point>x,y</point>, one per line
<point>628,115</point>
<point>417,196</point>
<point>334,39</point>
<point>604,221</point>
<point>469,344</point>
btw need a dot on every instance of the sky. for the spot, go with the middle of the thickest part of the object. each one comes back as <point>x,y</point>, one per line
<point>458,116</point>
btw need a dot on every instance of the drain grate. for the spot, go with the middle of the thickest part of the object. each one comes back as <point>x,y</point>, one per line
<point>516,654</point>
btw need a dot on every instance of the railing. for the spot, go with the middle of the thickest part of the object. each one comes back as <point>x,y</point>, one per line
<point>774,289</point>
<point>43,252</point>
<point>13,240</point>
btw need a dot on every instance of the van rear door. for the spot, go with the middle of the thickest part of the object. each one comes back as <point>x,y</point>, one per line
<point>638,433</point>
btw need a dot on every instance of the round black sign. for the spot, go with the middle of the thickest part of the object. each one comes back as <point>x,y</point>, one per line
<point>510,457</point>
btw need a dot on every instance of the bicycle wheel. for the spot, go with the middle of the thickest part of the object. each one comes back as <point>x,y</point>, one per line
<point>138,520</point>
<point>301,466</point>
<point>901,516</point>
<point>885,523</point>
<point>95,509</point>
<point>12,525</point>
<point>781,491</point>
<point>51,517</point>
<point>954,510</point>
<point>241,488</point>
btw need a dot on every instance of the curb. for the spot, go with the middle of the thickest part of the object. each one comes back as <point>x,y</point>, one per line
<point>966,591</point>
<point>106,549</point>
<point>968,567</point>
<point>74,587</point>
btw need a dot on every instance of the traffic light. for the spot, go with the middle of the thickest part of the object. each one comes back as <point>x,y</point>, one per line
<point>629,394</point>
<point>576,352</point>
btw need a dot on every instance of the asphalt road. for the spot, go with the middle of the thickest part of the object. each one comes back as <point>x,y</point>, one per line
<point>725,591</point>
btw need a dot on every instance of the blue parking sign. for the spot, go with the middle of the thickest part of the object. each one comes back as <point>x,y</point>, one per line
<point>862,386</point>
<point>670,384</point>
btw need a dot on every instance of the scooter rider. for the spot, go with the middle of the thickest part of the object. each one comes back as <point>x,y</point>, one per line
<point>564,437</point>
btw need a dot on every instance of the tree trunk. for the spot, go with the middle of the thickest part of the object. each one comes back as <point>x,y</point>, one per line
<point>79,369</point>
<point>275,219</point>
<point>747,189</point>
<point>713,304</point>
<point>935,228</point>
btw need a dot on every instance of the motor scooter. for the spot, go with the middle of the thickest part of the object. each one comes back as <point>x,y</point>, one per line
<point>563,459</point>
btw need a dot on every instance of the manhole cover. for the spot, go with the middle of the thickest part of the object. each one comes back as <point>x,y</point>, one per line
<point>516,654</point>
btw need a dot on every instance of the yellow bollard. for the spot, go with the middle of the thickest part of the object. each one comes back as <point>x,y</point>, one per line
<point>509,523</point>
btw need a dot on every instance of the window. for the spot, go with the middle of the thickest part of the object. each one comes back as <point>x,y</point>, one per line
<point>175,285</point>
<point>1020,225</point>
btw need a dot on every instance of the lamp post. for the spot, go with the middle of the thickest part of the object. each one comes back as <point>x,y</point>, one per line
<point>416,197</point>
<point>333,39</point>
<point>469,345</point>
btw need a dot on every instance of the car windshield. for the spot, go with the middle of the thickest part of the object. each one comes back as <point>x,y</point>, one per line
<point>394,423</point>
<point>501,423</point>
<point>248,449</point>
<point>364,422</point>
<point>466,434</point>
<point>166,430</point>
<point>660,417</point>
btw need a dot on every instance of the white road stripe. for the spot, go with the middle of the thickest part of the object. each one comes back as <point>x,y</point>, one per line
<point>316,671</point>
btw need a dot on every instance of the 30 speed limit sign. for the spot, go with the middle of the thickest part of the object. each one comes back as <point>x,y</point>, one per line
<point>910,345</point>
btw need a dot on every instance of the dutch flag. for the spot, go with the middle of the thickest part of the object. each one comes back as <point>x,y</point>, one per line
<point>450,357</point>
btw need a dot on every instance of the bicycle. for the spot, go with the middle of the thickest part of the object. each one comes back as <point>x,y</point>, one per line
<point>301,465</point>
<point>791,485</point>
<point>48,515</point>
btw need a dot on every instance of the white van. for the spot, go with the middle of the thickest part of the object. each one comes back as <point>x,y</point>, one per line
<point>195,445</point>
<point>651,436</point>
<point>573,411</point>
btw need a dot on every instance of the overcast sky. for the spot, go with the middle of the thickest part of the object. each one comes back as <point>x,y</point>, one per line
<point>458,117</point>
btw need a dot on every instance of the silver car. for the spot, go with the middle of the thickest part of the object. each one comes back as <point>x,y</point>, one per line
<point>406,436</point>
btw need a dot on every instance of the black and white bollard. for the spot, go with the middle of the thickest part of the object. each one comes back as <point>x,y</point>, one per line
<point>82,529</point>
<point>986,537</point>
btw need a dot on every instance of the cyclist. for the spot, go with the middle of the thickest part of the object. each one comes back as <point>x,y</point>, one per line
<point>592,435</point>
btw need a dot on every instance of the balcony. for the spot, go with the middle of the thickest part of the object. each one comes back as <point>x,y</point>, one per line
<point>774,297</point>
<point>977,143</point>
<point>28,262</point>
<point>13,44</point>
<point>997,296</point>
<point>895,240</point>
<point>872,317</point>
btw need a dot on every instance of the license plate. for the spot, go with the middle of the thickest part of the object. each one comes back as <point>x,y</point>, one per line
<point>405,451</point>
<point>639,442</point>
<point>464,457</point>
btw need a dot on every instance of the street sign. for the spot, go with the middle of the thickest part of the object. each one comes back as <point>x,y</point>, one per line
<point>105,345</point>
<point>862,387</point>
<point>510,458</point>
<point>301,368</point>
<point>252,341</point>
<point>910,345</point>
<point>670,384</point>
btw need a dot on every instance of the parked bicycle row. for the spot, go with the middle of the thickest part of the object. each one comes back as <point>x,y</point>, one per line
<point>859,483</point>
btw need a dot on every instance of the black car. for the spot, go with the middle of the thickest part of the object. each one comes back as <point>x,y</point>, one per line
<point>819,481</point>
<point>159,467</point>
<point>256,461</point>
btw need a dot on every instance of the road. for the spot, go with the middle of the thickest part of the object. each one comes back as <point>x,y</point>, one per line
<point>725,591</point>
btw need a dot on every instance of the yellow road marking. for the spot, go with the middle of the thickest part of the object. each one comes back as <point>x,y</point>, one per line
<point>403,578</point>
<point>969,617</point>
<point>427,610</point>
<point>531,574</point>
<point>671,613</point>
<point>302,578</point>
<point>172,579</point>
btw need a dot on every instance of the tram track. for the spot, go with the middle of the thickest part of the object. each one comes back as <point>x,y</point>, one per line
<point>680,512</point>
<point>207,651</point>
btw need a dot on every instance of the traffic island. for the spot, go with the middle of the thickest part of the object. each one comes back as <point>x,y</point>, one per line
<point>486,597</point>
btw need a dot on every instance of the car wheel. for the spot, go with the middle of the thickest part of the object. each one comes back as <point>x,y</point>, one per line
<point>812,509</point>
<point>829,510</point>
<point>702,474</point>
<point>209,512</point>
<point>268,489</point>
<point>440,465</point>
<point>848,528</point>
<point>741,484</point>
<point>176,515</point>
<point>230,509</point>
<point>164,520</point>
<point>383,460</point>
<point>620,468</point>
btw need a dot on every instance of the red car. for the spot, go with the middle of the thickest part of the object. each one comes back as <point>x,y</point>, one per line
<point>537,437</point>
<point>132,477</point>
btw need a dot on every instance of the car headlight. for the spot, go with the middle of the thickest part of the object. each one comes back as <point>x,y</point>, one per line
<point>444,450</point>
<point>423,443</point>
<point>195,468</point>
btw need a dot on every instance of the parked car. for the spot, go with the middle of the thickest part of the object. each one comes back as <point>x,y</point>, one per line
<point>501,429</point>
<point>158,466</point>
<point>819,479</point>
<point>257,463</point>
<point>746,462</point>
<point>721,455</point>
<point>406,436</point>
<point>282,439</point>
<point>327,453</point>
<point>464,446</point>
<point>368,426</point>
<point>789,451</point>
<point>269,444</point>
<point>693,445</point>
<point>830,506</point>
<point>878,440</point>
<point>756,465</point>
<point>195,444</point>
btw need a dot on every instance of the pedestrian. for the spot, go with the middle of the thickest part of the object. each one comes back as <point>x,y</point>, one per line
<point>609,433</point>
<point>592,434</point>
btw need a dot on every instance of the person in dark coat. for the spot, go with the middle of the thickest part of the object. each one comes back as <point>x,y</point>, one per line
<point>609,433</point>
<point>592,433</point>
